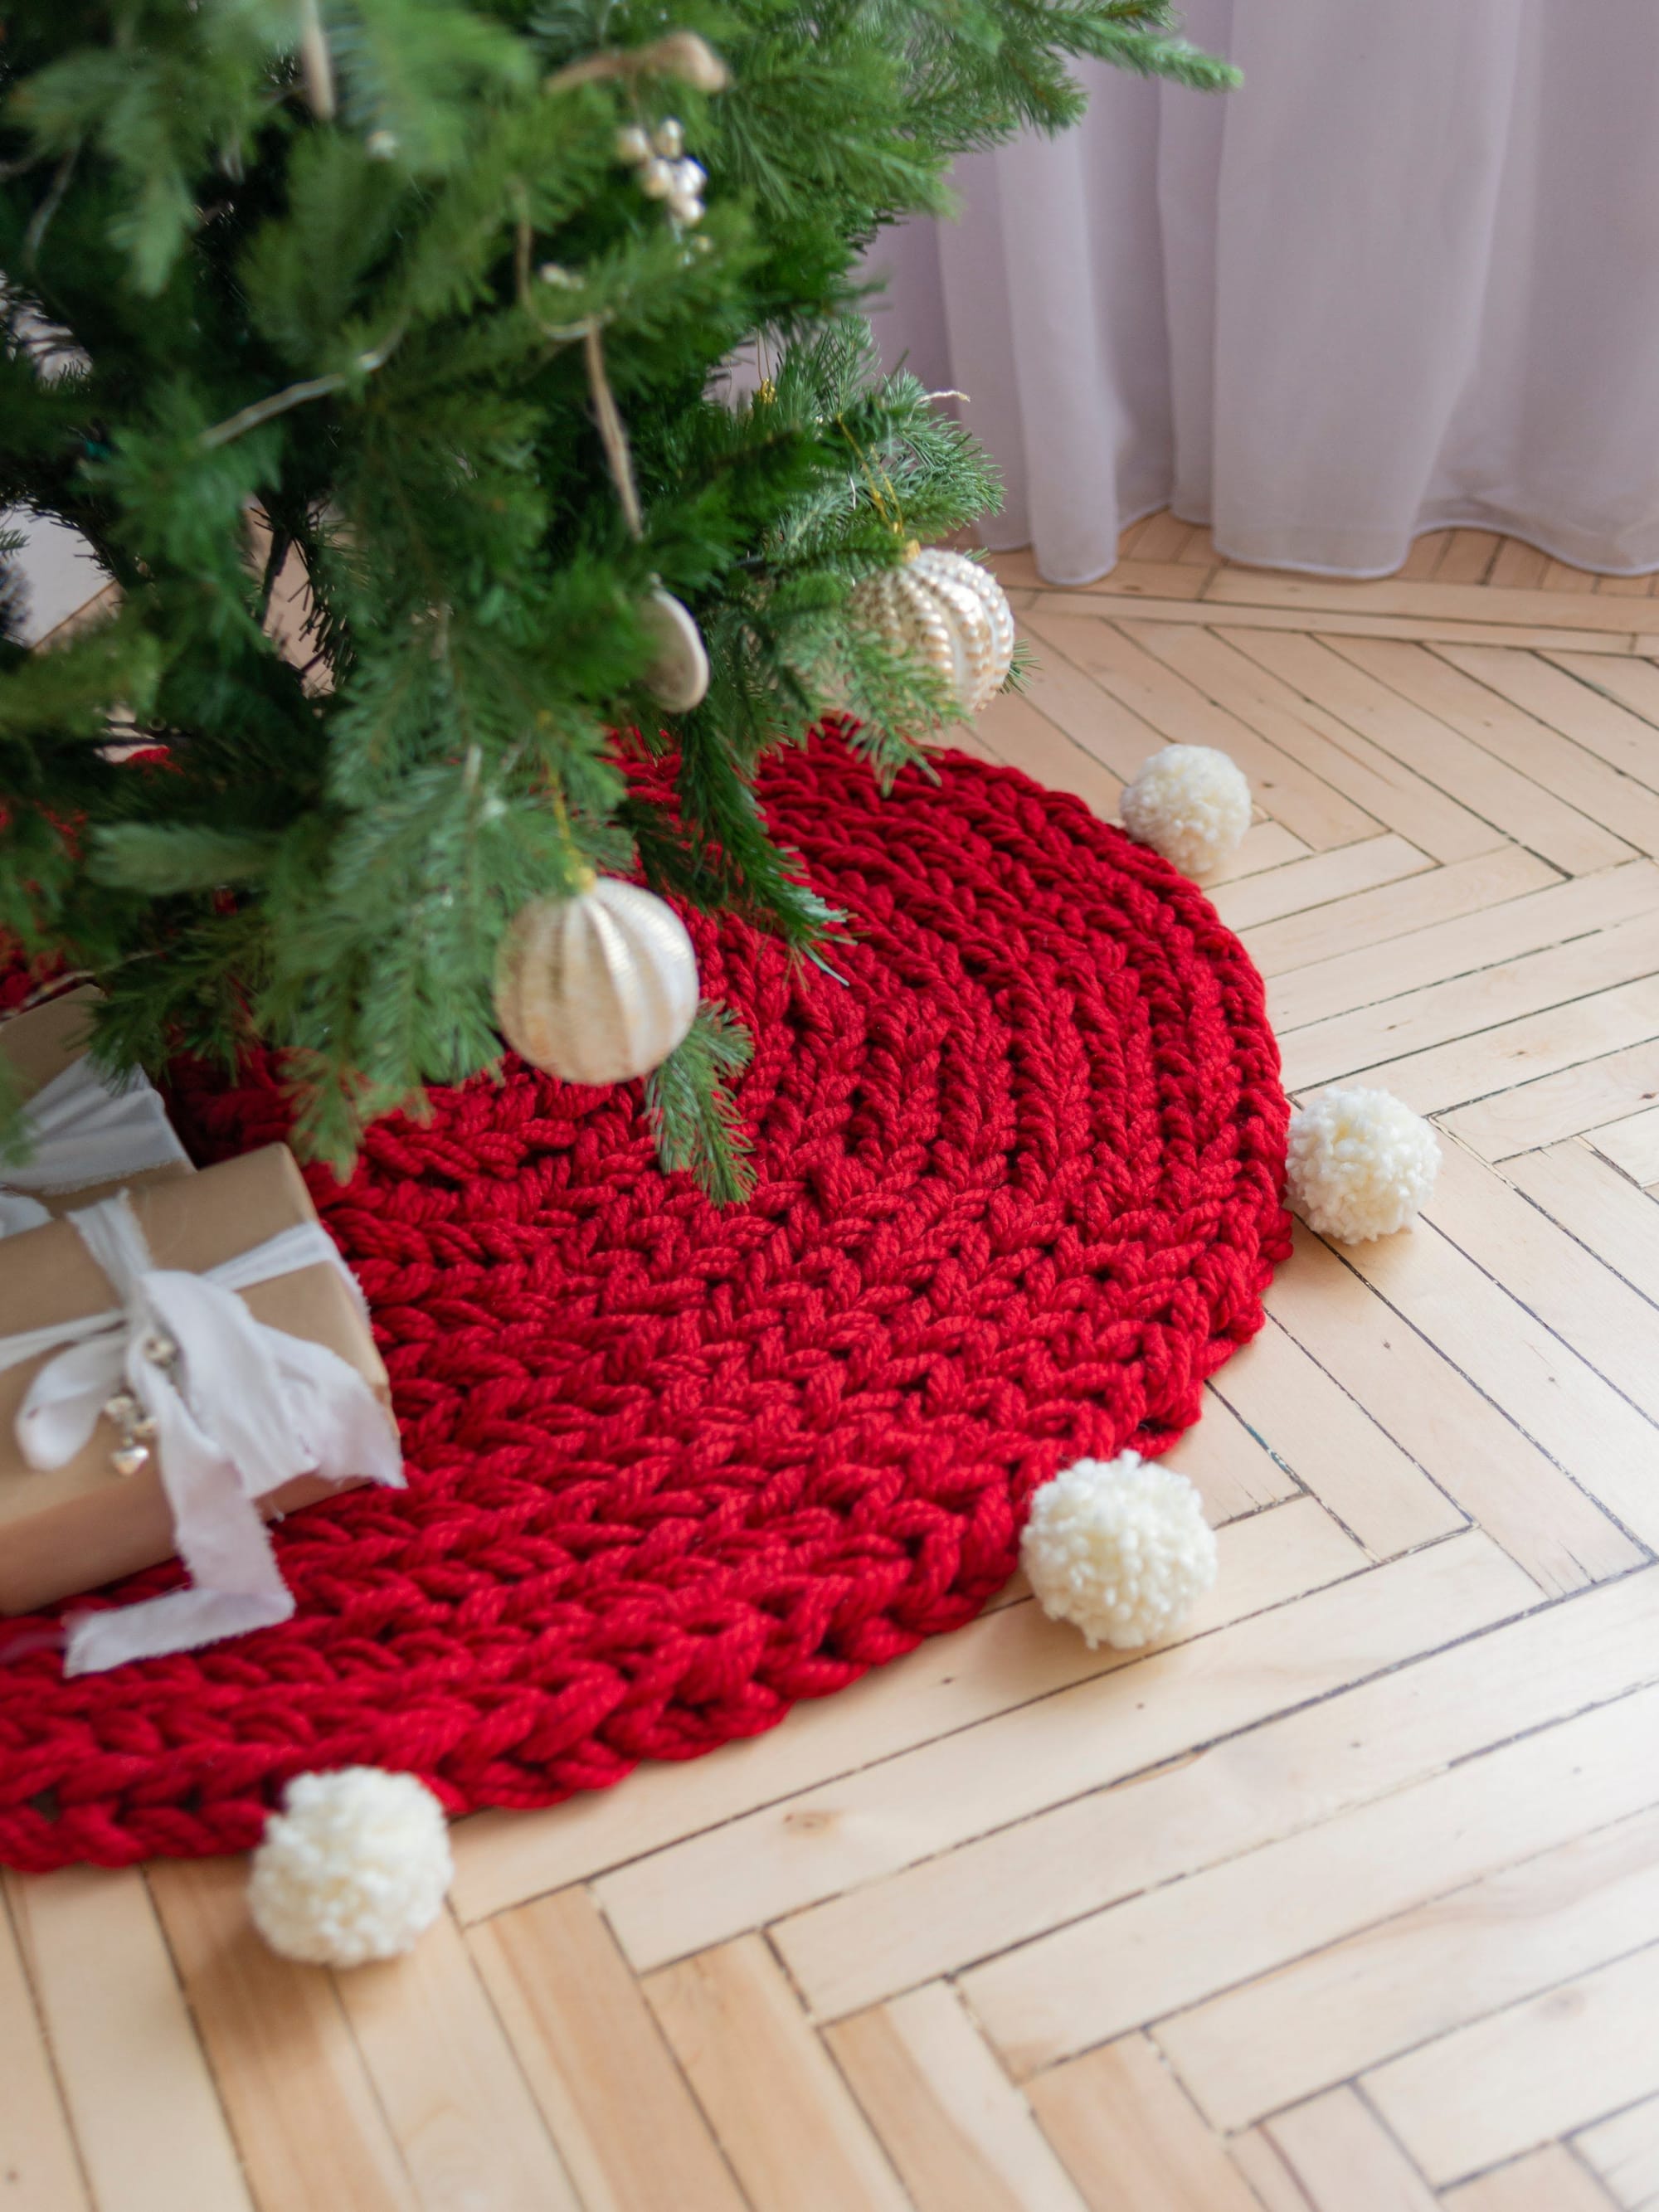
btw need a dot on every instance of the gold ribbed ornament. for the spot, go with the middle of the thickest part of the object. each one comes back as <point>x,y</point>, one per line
<point>598,987</point>
<point>947,611</point>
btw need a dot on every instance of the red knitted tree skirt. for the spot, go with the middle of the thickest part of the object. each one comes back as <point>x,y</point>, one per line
<point>671,1467</point>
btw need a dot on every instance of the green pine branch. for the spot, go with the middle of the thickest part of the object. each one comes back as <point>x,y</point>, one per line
<point>695,1118</point>
<point>262,330</point>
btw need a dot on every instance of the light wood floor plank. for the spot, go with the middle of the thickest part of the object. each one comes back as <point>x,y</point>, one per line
<point>1547,2180</point>
<point>1014,730</point>
<point>1173,1947</point>
<point>1338,1750</point>
<point>1546,921</point>
<point>1345,2160</point>
<point>1517,565</point>
<point>1635,690</point>
<point>1572,699</point>
<point>1176,577</point>
<point>1233,1470</point>
<point>1303,801</point>
<point>1387,787</point>
<point>1374,1036</point>
<point>1112,733</point>
<point>292,2080</point>
<point>150,2131</point>
<point>1469,556</point>
<point>1162,537</point>
<point>628,2129</point>
<point>695,1894</point>
<point>1580,779</point>
<point>1563,576</point>
<point>1454,1433</point>
<point>1342,622</point>
<point>1370,920</point>
<point>1313,595</point>
<point>450,2085</point>
<point>960,2135</point>
<point>1356,1471</point>
<point>1551,1393</point>
<point>1318,881</point>
<point>1631,1145</point>
<point>1594,1203</point>
<point>1581,1096</point>
<point>1610,1325</point>
<point>1436,750</point>
<point>1128,2136</point>
<point>1355,2003</point>
<point>789,2124</point>
<point>1499,1066</point>
<point>1541,2069</point>
<point>998,1663</point>
<point>1625,2151</point>
<point>1257,2158</point>
<point>1424,556</point>
<point>39,2168</point>
<point>1266,845</point>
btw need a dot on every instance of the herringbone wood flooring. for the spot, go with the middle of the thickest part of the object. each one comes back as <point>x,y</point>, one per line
<point>1347,1902</point>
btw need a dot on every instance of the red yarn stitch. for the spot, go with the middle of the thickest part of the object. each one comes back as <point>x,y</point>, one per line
<point>672,1467</point>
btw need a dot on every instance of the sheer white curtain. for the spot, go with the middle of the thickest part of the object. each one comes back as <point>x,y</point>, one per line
<point>1408,276</point>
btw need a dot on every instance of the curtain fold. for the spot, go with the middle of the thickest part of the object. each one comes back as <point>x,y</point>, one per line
<point>1407,277</point>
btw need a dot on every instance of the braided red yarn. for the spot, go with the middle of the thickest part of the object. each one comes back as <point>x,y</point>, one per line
<point>672,1467</point>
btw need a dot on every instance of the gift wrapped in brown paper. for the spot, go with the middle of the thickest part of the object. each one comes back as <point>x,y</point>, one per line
<point>178,1365</point>
<point>85,1136</point>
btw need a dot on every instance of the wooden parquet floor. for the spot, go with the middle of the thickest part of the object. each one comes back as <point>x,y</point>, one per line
<point>1347,1901</point>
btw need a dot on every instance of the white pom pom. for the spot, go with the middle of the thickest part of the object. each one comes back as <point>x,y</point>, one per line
<point>1192,804</point>
<point>355,1867</point>
<point>1119,1547</point>
<point>1359,1164</point>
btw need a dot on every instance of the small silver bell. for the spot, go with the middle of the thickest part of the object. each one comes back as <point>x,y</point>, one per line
<point>124,1409</point>
<point>633,144</point>
<point>669,137</point>
<point>158,1348</point>
<point>129,1458</point>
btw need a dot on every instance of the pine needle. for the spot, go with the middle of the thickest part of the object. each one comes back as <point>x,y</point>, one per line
<point>695,1118</point>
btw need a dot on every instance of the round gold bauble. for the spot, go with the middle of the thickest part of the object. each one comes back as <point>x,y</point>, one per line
<point>947,611</point>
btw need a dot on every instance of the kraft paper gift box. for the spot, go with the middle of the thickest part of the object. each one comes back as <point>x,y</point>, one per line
<point>81,1525</point>
<point>41,1045</point>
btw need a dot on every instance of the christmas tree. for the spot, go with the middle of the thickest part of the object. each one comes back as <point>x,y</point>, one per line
<point>411,313</point>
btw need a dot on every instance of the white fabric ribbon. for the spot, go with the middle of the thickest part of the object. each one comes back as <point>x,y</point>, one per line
<point>79,1130</point>
<point>242,1409</point>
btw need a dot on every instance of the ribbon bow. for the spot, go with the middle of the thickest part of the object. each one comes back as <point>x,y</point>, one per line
<point>80,1130</point>
<point>239,1408</point>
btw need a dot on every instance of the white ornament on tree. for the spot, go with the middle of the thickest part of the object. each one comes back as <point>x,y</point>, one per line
<point>947,611</point>
<point>599,988</point>
<point>677,678</point>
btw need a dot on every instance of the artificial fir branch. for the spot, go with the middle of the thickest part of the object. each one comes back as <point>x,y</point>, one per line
<point>365,285</point>
<point>695,1118</point>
